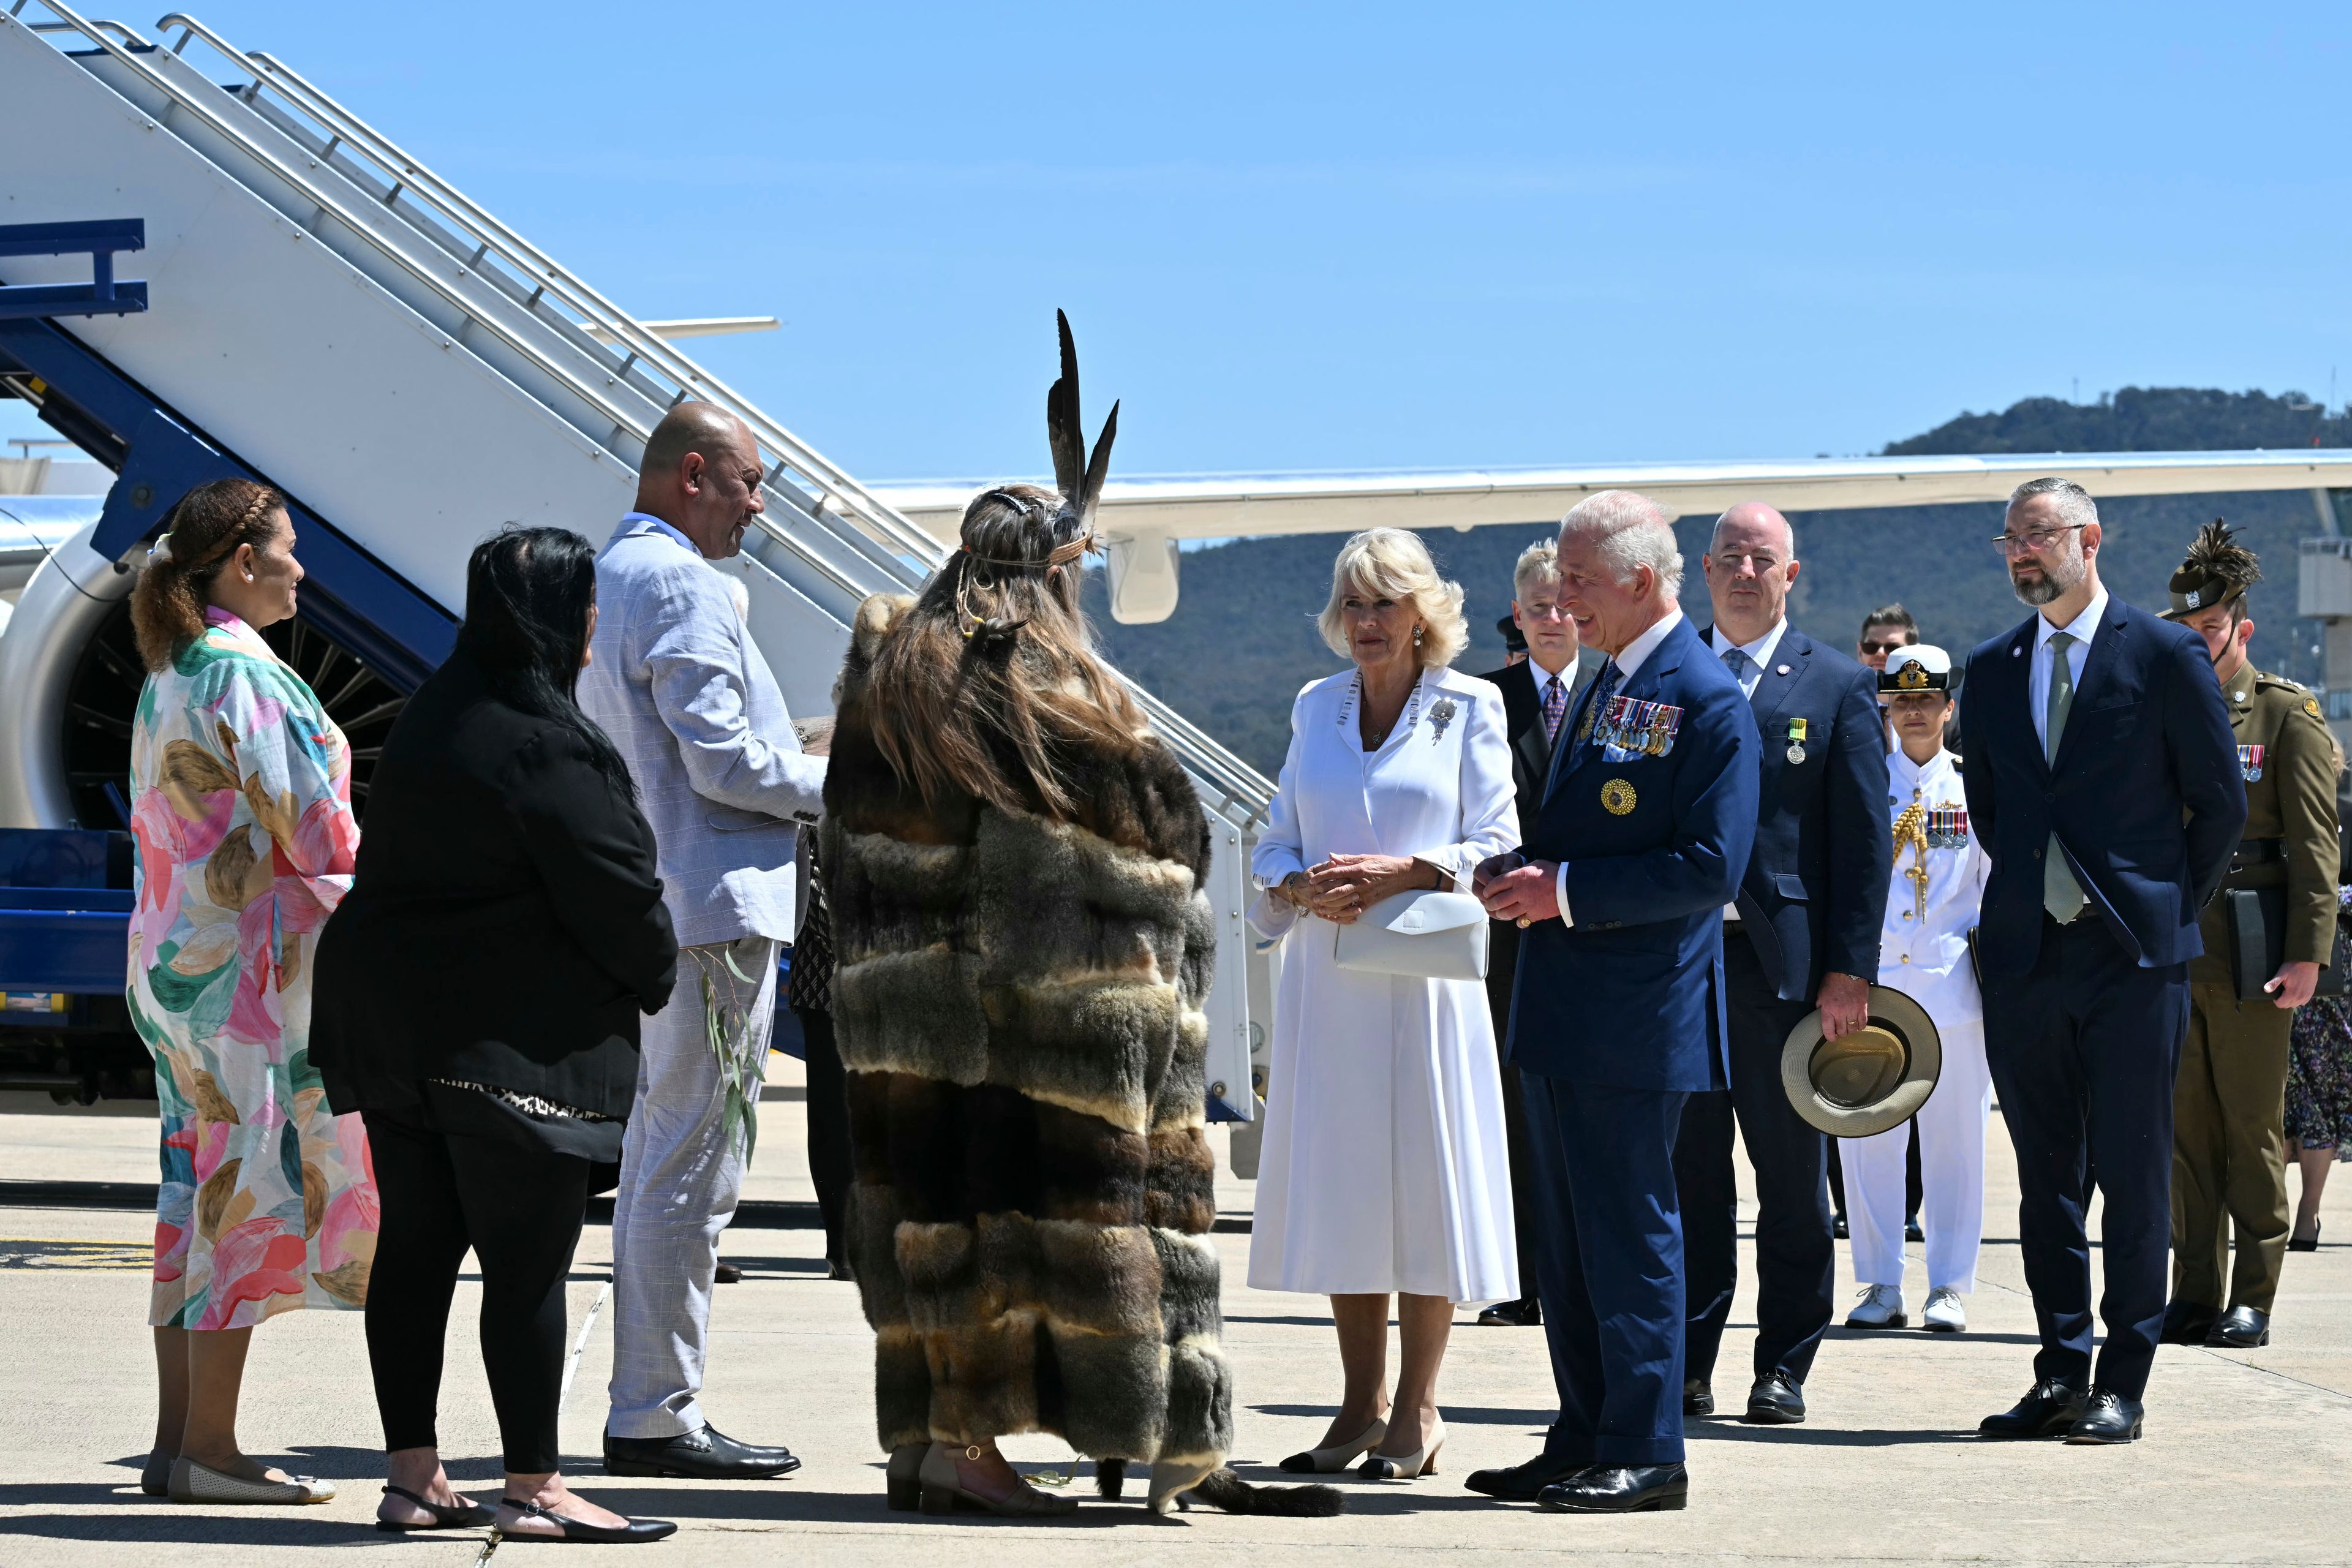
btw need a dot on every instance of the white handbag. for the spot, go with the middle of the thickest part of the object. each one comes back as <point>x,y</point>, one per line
<point>1433,936</point>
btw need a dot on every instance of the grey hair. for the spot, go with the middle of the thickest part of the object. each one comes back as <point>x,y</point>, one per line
<point>1391,562</point>
<point>1627,529</point>
<point>2074,502</point>
<point>1538,562</point>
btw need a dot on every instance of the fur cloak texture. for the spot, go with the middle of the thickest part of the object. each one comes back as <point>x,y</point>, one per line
<point>1018,1005</point>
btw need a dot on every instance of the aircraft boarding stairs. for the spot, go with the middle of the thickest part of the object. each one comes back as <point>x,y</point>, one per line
<point>326,313</point>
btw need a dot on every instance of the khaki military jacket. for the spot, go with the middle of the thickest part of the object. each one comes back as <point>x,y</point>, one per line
<point>2289,763</point>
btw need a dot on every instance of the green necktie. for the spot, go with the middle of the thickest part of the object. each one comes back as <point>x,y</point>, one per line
<point>2061,894</point>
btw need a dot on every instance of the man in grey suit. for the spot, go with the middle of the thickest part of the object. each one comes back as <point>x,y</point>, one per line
<point>678,684</point>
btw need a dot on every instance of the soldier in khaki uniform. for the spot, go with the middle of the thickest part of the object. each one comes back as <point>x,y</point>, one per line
<point>2229,1103</point>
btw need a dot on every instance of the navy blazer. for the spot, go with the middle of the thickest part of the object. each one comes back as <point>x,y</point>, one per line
<point>1523,723</point>
<point>1814,899</point>
<point>2146,747</point>
<point>1631,994</point>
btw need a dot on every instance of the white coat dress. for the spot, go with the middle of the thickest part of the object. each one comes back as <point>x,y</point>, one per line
<point>1384,1166</point>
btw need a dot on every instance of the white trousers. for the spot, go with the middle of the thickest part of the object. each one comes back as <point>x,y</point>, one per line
<point>1951,1173</point>
<point>681,1177</point>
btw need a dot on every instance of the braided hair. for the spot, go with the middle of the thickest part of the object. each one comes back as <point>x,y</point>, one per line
<point>201,533</point>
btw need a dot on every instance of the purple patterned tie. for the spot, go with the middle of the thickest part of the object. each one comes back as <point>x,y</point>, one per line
<point>1555,708</point>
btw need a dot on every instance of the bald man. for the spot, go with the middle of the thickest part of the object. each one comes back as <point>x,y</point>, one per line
<point>1803,933</point>
<point>678,682</point>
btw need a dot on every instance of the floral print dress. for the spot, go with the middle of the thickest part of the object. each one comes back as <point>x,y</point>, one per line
<point>2320,1069</point>
<point>241,807</point>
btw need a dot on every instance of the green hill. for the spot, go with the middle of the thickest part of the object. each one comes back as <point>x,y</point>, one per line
<point>1243,638</point>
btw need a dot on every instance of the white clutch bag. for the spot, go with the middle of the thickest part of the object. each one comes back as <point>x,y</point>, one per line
<point>1433,936</point>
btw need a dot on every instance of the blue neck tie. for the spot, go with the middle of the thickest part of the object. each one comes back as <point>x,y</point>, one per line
<point>1603,689</point>
<point>1736,660</point>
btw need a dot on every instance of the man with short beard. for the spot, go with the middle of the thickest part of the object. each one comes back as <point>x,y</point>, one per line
<point>2103,779</point>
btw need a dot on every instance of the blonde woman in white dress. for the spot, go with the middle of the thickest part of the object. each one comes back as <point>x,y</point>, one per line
<point>1384,1170</point>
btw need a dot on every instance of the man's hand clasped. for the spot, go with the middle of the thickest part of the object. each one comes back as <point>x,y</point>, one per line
<point>1514,888</point>
<point>1342,887</point>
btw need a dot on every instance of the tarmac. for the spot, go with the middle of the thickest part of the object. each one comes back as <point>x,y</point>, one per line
<point>2246,1459</point>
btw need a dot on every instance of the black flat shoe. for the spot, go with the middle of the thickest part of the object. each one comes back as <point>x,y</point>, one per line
<point>466,1514</point>
<point>1911,1228</point>
<point>2188,1324</point>
<point>708,1455</point>
<point>727,1274</point>
<point>1838,1228</point>
<point>2296,1244</point>
<point>1526,1312</point>
<point>1775,1401</point>
<point>1619,1488</point>
<point>629,1535</point>
<point>1699,1398</point>
<point>2110,1417</point>
<point>2240,1328</point>
<point>2050,1410</point>
<point>1520,1483</point>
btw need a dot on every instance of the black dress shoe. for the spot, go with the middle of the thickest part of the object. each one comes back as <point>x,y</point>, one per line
<point>1526,1312</point>
<point>1838,1228</point>
<point>708,1455</point>
<point>727,1274</point>
<point>1619,1488</point>
<point>1520,1483</point>
<point>2049,1411</point>
<point>2110,1417</point>
<point>2240,1328</point>
<point>2188,1324</point>
<point>1775,1401</point>
<point>1698,1398</point>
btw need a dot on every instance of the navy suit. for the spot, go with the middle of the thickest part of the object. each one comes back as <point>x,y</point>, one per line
<point>1522,689</point>
<point>1614,1021</point>
<point>2083,1022</point>
<point>1811,902</point>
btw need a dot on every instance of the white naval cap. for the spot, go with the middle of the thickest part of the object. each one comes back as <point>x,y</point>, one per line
<point>1922,667</point>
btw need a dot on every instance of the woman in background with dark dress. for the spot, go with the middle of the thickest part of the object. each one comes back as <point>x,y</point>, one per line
<point>478,998</point>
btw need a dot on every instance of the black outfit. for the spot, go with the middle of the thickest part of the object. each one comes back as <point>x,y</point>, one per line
<point>477,999</point>
<point>1522,685</point>
<point>809,996</point>
<point>1811,902</point>
<point>2083,1022</point>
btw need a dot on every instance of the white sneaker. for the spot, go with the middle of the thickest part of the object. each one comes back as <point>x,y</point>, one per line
<point>1879,1307</point>
<point>1945,1313</point>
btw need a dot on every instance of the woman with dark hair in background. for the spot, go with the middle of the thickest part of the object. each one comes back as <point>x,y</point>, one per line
<point>240,787</point>
<point>479,1001</point>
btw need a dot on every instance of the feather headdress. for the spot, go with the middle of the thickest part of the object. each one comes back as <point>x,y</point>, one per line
<point>1079,477</point>
<point>2216,570</point>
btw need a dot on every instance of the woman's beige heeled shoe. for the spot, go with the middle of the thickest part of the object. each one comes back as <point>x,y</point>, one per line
<point>1409,1466</point>
<point>942,1489</point>
<point>1171,1478</point>
<point>903,1480</point>
<point>1331,1461</point>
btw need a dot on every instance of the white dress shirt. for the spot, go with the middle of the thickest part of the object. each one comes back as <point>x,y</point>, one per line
<point>1759,653</point>
<point>1629,662</point>
<point>2082,629</point>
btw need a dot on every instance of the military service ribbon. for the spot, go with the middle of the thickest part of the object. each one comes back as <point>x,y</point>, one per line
<point>2250,763</point>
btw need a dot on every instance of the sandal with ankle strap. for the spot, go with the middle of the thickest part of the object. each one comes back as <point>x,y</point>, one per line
<point>574,1530</point>
<point>463,1514</point>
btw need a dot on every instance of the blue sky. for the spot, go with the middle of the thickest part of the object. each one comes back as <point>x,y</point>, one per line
<point>1334,236</point>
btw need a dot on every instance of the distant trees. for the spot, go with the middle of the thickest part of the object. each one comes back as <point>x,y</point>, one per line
<point>2139,419</point>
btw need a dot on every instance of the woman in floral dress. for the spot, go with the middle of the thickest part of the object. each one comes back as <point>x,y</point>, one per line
<point>241,791</point>
<point>2318,1101</point>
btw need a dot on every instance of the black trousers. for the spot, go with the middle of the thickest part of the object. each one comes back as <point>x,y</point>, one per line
<point>520,1211</point>
<point>1502,969</point>
<point>1796,1255</point>
<point>2083,1049</point>
<point>828,1126</point>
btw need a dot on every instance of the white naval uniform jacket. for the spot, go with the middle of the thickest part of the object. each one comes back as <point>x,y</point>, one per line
<point>1927,959</point>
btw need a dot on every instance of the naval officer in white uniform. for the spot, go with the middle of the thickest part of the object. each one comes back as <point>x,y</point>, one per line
<point>1939,878</point>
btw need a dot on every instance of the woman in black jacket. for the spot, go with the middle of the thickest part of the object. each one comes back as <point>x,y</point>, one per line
<point>478,993</point>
